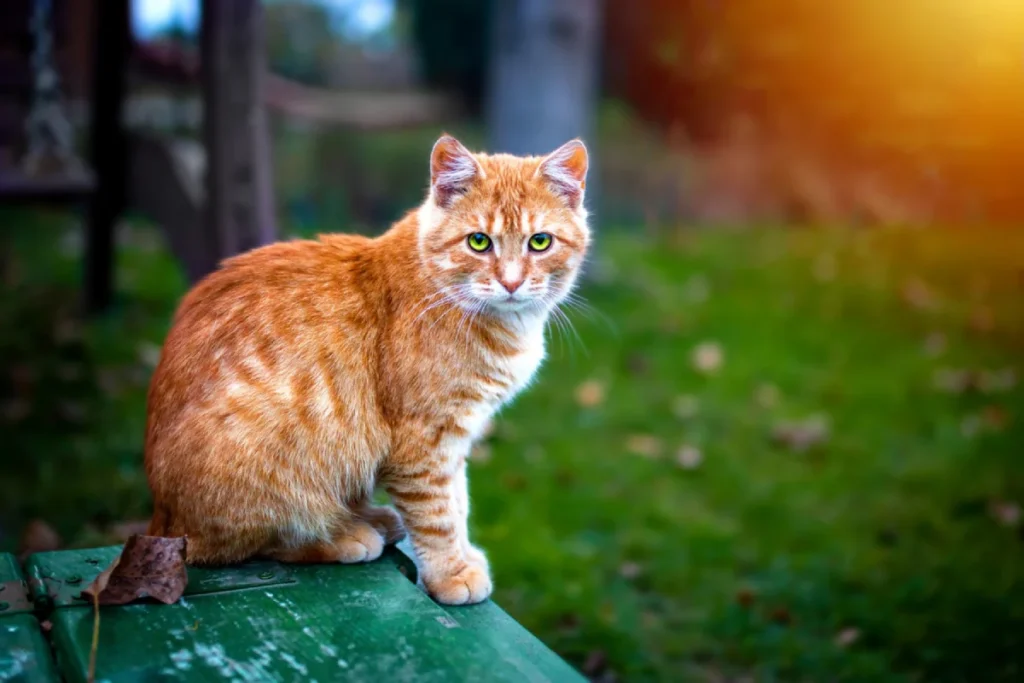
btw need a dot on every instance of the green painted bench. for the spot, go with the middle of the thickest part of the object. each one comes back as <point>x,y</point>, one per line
<point>261,621</point>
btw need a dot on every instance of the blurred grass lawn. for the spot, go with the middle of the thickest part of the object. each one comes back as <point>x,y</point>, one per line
<point>891,550</point>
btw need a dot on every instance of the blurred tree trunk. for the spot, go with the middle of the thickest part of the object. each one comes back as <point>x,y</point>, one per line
<point>544,74</point>
<point>240,210</point>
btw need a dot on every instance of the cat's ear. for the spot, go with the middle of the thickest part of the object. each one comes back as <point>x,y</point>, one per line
<point>453,169</point>
<point>565,171</point>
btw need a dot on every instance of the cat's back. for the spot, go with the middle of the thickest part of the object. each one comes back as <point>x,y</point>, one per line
<point>265,309</point>
<point>300,269</point>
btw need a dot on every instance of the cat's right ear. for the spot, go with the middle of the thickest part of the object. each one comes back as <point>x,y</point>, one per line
<point>453,169</point>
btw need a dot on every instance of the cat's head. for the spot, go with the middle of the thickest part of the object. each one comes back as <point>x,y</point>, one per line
<point>504,233</point>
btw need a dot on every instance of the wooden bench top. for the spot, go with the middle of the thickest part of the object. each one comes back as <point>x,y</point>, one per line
<point>265,621</point>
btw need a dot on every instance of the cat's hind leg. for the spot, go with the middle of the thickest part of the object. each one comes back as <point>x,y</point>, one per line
<point>354,541</point>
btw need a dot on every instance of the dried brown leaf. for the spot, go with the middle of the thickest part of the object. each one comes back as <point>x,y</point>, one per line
<point>689,457</point>
<point>596,662</point>
<point>1007,513</point>
<point>630,570</point>
<point>917,294</point>
<point>148,567</point>
<point>800,436</point>
<point>935,344</point>
<point>997,381</point>
<point>480,454</point>
<point>707,357</point>
<point>781,615</point>
<point>644,445</point>
<point>590,393</point>
<point>149,353</point>
<point>847,637</point>
<point>983,320</point>
<point>995,418</point>
<point>953,381</point>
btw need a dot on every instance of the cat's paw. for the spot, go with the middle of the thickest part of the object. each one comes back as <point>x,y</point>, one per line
<point>476,556</point>
<point>469,586</point>
<point>361,543</point>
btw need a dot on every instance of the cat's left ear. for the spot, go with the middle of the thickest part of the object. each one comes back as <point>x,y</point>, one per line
<point>565,170</point>
<point>453,169</point>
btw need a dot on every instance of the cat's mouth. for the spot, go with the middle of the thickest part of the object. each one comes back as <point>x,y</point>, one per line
<point>512,303</point>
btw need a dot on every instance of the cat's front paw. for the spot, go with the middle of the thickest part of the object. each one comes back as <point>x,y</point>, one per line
<point>468,586</point>
<point>476,556</point>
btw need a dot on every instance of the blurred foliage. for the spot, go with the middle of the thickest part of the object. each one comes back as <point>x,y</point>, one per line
<point>300,40</point>
<point>453,42</point>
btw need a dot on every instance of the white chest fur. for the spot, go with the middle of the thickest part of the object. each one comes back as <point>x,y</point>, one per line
<point>512,374</point>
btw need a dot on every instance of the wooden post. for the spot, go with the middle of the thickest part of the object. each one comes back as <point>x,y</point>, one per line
<point>108,148</point>
<point>240,211</point>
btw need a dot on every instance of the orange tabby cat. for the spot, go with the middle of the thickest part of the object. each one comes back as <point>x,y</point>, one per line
<point>303,374</point>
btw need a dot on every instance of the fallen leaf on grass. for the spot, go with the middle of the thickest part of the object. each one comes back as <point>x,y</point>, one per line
<point>995,418</point>
<point>149,353</point>
<point>148,567</point>
<point>689,457</point>
<point>707,357</point>
<point>1007,513</point>
<point>970,426</point>
<point>746,597</point>
<point>983,320</point>
<point>590,394</point>
<point>919,295</point>
<point>637,364</point>
<point>997,381</point>
<point>480,454</point>
<point>630,570</point>
<point>595,663</point>
<point>952,380</point>
<point>847,637</point>
<point>799,436</point>
<point>935,344</point>
<point>644,445</point>
<point>38,537</point>
<point>991,419</point>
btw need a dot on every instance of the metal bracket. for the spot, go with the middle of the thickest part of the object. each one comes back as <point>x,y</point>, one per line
<point>58,579</point>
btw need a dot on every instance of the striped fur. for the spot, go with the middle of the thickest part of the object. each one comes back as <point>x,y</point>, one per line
<point>301,376</point>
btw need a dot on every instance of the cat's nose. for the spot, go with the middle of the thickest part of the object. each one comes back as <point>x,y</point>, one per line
<point>511,285</point>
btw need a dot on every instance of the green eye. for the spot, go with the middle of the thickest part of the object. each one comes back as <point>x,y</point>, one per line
<point>540,242</point>
<point>479,242</point>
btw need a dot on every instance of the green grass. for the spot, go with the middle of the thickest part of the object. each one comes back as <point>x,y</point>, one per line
<point>872,556</point>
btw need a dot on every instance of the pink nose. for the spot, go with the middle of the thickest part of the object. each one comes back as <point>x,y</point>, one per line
<point>512,285</point>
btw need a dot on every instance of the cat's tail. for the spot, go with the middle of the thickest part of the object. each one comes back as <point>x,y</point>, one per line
<point>160,524</point>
